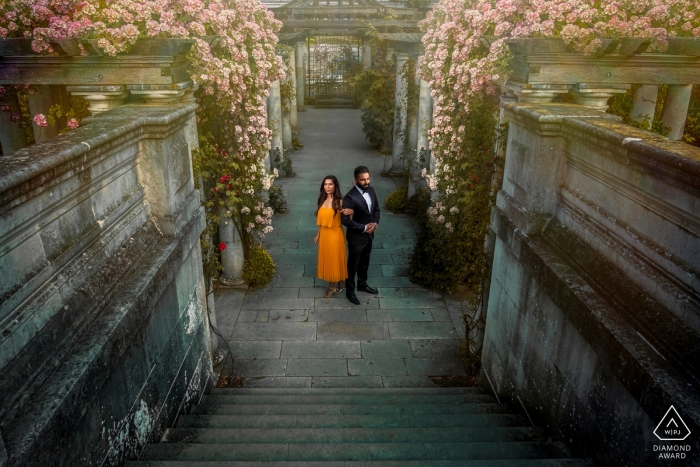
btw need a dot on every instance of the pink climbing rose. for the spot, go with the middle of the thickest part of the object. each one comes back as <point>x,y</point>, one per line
<point>73,123</point>
<point>40,120</point>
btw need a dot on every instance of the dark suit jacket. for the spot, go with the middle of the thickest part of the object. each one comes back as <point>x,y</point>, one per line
<point>362,216</point>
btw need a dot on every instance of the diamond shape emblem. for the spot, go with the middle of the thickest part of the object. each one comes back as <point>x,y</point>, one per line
<point>672,427</point>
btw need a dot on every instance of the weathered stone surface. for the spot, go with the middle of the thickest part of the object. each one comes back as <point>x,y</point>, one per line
<point>103,281</point>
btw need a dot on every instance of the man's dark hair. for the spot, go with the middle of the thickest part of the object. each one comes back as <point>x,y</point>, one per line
<point>361,169</point>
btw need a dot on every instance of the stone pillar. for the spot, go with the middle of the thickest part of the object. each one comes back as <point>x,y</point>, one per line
<point>100,98</point>
<point>644,103</point>
<point>596,96</point>
<point>390,54</point>
<point>159,95</point>
<point>232,256</point>
<point>188,97</point>
<point>367,56</point>
<point>40,102</point>
<point>291,65</point>
<point>301,78</point>
<point>423,123</point>
<point>400,115</point>
<point>12,135</point>
<point>675,109</point>
<point>274,111</point>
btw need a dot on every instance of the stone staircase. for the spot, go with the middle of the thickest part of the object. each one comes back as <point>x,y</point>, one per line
<point>337,427</point>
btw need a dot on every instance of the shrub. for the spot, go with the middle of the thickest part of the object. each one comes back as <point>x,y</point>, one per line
<point>396,201</point>
<point>259,268</point>
<point>277,202</point>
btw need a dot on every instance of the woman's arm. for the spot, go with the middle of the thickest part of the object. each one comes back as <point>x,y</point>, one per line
<point>318,234</point>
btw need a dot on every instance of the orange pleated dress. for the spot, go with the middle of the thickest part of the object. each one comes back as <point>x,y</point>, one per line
<point>332,263</point>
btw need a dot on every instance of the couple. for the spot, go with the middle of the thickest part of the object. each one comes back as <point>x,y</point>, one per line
<point>359,212</point>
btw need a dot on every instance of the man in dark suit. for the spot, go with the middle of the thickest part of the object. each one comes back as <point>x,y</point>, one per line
<point>363,201</point>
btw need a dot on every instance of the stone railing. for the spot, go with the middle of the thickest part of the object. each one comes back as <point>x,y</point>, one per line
<point>154,70</point>
<point>593,317</point>
<point>545,68</point>
<point>104,332</point>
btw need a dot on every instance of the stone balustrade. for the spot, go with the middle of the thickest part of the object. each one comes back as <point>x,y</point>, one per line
<point>593,316</point>
<point>546,68</point>
<point>155,70</point>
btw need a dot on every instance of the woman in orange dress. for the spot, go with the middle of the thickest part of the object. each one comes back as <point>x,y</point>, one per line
<point>332,263</point>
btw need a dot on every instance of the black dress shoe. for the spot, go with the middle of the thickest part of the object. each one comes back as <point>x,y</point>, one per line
<point>368,289</point>
<point>353,298</point>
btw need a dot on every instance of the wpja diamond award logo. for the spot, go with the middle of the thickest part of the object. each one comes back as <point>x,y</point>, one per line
<point>672,428</point>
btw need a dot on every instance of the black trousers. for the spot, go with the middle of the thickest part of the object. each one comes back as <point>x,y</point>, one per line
<point>359,250</point>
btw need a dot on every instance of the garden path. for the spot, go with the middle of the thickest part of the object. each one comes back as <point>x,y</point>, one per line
<point>288,335</point>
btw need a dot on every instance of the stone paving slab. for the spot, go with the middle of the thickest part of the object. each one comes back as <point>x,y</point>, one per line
<point>339,315</point>
<point>278,304</point>
<point>434,349</point>
<point>255,349</point>
<point>433,330</point>
<point>413,381</point>
<point>378,367</point>
<point>317,367</point>
<point>347,382</point>
<point>292,282</point>
<point>439,367</point>
<point>339,302</point>
<point>277,382</point>
<point>288,316</point>
<point>321,349</point>
<point>386,349</point>
<point>408,303</point>
<point>275,331</point>
<point>272,292</point>
<point>350,331</point>
<point>263,367</point>
<point>440,314</point>
<point>399,315</point>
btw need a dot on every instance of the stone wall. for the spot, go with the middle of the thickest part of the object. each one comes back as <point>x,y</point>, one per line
<point>103,336</point>
<point>593,318</point>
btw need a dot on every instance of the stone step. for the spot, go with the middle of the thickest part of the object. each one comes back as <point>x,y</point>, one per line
<point>350,435</point>
<point>420,463</point>
<point>353,421</point>
<point>347,391</point>
<point>351,399</point>
<point>384,409</point>
<point>355,451</point>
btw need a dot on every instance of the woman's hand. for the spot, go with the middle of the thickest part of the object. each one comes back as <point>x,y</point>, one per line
<point>347,211</point>
<point>316,237</point>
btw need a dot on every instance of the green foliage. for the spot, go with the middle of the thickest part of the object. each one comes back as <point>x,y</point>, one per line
<point>450,244</point>
<point>259,268</point>
<point>474,323</point>
<point>296,143</point>
<point>374,93</point>
<point>396,201</point>
<point>284,163</point>
<point>277,201</point>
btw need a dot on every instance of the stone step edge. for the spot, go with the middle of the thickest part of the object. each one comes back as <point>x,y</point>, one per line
<point>349,391</point>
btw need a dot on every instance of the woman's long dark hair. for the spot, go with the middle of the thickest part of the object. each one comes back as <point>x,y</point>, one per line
<point>337,197</point>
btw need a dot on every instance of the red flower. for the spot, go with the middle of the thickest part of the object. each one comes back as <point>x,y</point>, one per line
<point>216,189</point>
<point>222,246</point>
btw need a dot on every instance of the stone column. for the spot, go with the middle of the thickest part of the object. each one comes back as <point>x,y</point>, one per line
<point>301,78</point>
<point>400,115</point>
<point>274,111</point>
<point>644,103</point>
<point>232,256</point>
<point>291,65</point>
<point>40,102</point>
<point>596,96</point>
<point>675,109</point>
<point>424,121</point>
<point>390,54</point>
<point>100,98</point>
<point>367,56</point>
<point>12,136</point>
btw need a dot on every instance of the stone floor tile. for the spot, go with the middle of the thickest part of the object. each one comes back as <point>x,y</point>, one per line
<point>301,258</point>
<point>407,303</point>
<point>288,281</point>
<point>389,270</point>
<point>386,349</point>
<point>335,331</point>
<point>340,302</point>
<point>274,331</point>
<point>422,330</point>
<point>247,316</point>
<point>314,292</point>
<point>391,282</point>
<point>272,292</point>
<point>261,316</point>
<point>286,270</point>
<point>321,349</point>
<point>347,382</point>
<point>434,367</point>
<point>399,315</point>
<point>377,367</point>
<point>279,304</point>
<point>255,349</point>
<point>338,315</point>
<point>440,314</point>
<point>277,382</point>
<point>412,381</point>
<point>263,367</point>
<point>317,367</point>
<point>288,316</point>
<point>434,348</point>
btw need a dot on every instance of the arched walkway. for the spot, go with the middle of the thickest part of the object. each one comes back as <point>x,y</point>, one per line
<point>287,335</point>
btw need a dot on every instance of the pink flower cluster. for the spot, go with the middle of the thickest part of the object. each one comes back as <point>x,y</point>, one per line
<point>459,67</point>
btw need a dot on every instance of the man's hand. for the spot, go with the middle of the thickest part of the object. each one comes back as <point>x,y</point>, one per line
<point>370,228</point>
